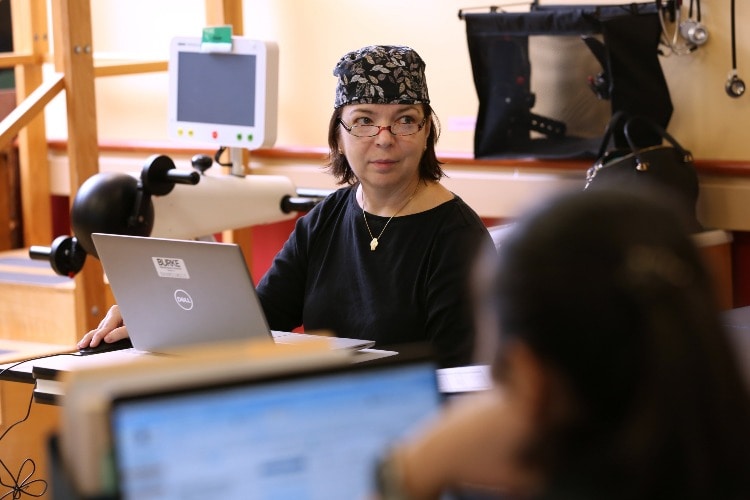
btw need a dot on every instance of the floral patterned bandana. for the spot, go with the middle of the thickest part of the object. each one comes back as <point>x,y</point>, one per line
<point>381,74</point>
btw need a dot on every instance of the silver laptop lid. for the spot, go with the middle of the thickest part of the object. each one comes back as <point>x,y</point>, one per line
<point>174,293</point>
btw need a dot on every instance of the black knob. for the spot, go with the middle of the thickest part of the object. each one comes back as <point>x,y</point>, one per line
<point>65,255</point>
<point>201,163</point>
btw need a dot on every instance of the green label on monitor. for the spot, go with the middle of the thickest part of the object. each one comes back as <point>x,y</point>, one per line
<point>217,38</point>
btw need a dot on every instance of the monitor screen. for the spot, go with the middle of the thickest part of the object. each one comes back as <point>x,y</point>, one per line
<point>305,436</point>
<point>233,77</point>
<point>223,98</point>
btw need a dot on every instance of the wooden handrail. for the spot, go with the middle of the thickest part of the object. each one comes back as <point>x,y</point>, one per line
<point>11,59</point>
<point>102,68</point>
<point>129,68</point>
<point>29,108</point>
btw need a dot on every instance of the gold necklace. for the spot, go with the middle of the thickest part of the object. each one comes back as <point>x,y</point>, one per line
<point>375,240</point>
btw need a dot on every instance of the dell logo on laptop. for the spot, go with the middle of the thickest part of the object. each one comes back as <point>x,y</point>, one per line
<point>183,299</point>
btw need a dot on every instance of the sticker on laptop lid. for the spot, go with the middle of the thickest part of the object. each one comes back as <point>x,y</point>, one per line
<point>168,267</point>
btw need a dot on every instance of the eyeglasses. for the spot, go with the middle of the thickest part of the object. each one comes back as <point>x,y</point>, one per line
<point>397,128</point>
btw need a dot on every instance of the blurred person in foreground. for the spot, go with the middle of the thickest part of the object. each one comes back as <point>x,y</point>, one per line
<point>614,378</point>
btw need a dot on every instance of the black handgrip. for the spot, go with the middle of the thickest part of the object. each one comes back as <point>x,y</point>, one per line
<point>159,176</point>
<point>297,204</point>
<point>183,176</point>
<point>38,252</point>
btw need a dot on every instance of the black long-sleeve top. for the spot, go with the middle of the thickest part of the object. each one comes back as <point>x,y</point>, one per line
<point>413,288</point>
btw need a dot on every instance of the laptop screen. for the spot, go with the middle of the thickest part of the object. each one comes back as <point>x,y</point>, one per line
<point>310,436</point>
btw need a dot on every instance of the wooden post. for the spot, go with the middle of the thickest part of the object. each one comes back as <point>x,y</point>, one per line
<point>218,13</point>
<point>30,36</point>
<point>74,57</point>
<point>221,12</point>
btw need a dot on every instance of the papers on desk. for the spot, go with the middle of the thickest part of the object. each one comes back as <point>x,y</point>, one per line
<point>12,351</point>
<point>464,379</point>
<point>51,368</point>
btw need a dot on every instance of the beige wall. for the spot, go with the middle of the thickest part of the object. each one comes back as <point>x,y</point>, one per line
<point>312,35</point>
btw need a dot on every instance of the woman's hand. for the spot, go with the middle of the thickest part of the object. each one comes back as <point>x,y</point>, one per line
<point>109,330</point>
<point>472,444</point>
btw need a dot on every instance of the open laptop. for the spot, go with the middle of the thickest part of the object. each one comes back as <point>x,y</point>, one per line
<point>178,293</point>
<point>301,435</point>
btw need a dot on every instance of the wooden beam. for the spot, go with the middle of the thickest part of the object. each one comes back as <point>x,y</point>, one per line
<point>27,109</point>
<point>11,59</point>
<point>7,202</point>
<point>129,68</point>
<point>73,48</point>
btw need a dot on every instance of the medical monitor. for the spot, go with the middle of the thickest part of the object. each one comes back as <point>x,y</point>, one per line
<point>226,98</point>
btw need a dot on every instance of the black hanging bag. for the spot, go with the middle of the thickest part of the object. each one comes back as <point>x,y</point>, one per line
<point>664,170</point>
<point>625,40</point>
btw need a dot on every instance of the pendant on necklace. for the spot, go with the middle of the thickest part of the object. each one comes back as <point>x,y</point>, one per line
<point>374,244</point>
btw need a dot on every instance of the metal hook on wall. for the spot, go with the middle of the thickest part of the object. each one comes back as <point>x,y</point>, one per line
<point>734,86</point>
